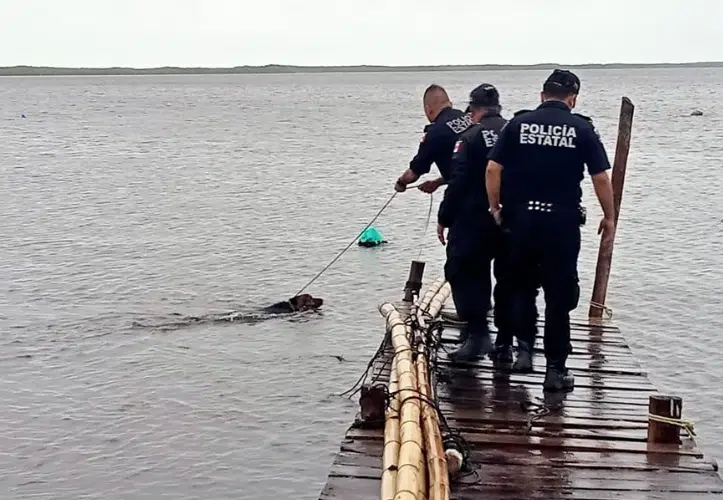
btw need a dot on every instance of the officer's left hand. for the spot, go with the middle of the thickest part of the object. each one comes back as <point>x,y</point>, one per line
<point>440,233</point>
<point>429,186</point>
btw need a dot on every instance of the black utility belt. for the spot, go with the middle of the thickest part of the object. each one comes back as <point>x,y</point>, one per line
<point>547,207</point>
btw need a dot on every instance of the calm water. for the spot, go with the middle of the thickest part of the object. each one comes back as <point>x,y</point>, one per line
<point>131,199</point>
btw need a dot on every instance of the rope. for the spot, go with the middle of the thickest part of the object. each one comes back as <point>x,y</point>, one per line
<point>346,248</point>
<point>426,226</point>
<point>338,256</point>
<point>687,425</point>
<point>605,308</point>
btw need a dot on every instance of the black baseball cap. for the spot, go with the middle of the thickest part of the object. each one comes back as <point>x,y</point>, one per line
<point>562,80</point>
<point>484,95</point>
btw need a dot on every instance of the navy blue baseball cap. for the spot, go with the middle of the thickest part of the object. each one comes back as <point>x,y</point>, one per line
<point>484,95</point>
<point>562,79</point>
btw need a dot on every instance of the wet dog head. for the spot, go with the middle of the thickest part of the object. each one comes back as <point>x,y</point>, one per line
<point>304,302</point>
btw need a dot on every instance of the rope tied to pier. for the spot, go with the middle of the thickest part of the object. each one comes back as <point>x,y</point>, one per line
<point>606,309</point>
<point>686,425</point>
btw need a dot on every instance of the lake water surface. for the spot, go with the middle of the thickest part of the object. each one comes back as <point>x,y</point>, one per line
<point>132,200</point>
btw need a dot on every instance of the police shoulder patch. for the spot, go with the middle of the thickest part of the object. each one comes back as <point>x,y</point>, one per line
<point>584,117</point>
<point>589,120</point>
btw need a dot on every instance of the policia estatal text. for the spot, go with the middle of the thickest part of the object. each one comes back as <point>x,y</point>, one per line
<point>539,162</point>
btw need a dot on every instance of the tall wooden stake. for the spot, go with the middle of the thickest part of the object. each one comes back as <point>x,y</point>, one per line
<point>605,252</point>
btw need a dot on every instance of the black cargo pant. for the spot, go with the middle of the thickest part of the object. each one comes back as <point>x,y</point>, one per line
<point>515,307</point>
<point>471,285</point>
<point>546,243</point>
<point>470,249</point>
<point>468,269</point>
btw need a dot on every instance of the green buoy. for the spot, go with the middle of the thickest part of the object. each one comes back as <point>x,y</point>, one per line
<point>371,237</point>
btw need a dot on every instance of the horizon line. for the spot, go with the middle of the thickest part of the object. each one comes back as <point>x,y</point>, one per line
<point>30,70</point>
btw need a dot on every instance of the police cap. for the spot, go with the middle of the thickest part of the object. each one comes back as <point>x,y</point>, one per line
<point>484,95</point>
<point>562,80</point>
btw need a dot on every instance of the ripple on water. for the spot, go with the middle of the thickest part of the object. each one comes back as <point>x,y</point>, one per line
<point>136,199</point>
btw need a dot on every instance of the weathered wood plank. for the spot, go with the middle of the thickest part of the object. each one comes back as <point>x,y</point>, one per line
<point>553,478</point>
<point>526,457</point>
<point>354,488</point>
<point>482,439</point>
<point>573,363</point>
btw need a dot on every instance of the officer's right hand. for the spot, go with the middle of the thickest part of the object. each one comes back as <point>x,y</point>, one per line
<point>440,233</point>
<point>606,228</point>
<point>399,187</point>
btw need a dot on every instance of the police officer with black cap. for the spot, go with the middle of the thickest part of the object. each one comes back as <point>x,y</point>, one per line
<point>437,143</point>
<point>473,236</point>
<point>542,155</point>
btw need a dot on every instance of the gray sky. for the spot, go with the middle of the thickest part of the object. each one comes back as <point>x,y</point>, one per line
<point>144,33</point>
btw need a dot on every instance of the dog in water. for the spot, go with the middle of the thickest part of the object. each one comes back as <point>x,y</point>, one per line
<point>303,302</point>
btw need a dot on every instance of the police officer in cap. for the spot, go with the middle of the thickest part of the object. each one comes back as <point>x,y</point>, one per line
<point>473,235</point>
<point>437,143</point>
<point>543,154</point>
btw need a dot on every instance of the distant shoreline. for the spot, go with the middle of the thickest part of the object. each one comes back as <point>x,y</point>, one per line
<point>281,69</point>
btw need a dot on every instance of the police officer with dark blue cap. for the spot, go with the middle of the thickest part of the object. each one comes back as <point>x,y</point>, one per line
<point>543,154</point>
<point>473,237</point>
<point>437,143</point>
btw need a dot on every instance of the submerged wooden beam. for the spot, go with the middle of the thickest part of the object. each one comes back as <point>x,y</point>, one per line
<point>605,252</point>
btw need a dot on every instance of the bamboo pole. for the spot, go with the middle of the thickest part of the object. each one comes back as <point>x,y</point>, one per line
<point>607,242</point>
<point>440,298</point>
<point>391,438</point>
<point>410,450</point>
<point>433,290</point>
<point>436,461</point>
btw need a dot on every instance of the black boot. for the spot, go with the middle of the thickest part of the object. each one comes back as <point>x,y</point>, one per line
<point>475,347</point>
<point>502,354</point>
<point>558,379</point>
<point>523,364</point>
<point>463,334</point>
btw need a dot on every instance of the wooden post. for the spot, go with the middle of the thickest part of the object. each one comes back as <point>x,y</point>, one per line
<point>414,282</point>
<point>605,252</point>
<point>664,406</point>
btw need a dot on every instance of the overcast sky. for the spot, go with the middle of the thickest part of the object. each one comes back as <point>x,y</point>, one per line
<point>145,33</point>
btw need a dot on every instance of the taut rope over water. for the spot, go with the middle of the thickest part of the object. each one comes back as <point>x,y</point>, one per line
<point>369,224</point>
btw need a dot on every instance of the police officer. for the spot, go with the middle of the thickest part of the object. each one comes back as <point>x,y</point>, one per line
<point>473,235</point>
<point>446,124</point>
<point>543,154</point>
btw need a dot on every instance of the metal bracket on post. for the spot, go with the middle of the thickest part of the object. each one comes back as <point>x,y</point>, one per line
<point>414,282</point>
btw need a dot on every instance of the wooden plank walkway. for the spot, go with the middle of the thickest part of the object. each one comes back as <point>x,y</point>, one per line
<point>590,446</point>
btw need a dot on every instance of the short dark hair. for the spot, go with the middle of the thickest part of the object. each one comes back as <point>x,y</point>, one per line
<point>434,88</point>
<point>561,83</point>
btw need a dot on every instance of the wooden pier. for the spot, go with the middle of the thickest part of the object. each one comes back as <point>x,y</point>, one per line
<point>589,444</point>
<point>613,437</point>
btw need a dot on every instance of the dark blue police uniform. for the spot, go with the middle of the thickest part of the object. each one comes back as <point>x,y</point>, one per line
<point>543,154</point>
<point>474,239</point>
<point>438,142</point>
